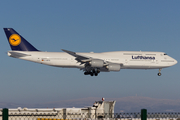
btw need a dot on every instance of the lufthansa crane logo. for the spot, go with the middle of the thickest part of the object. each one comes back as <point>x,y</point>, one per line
<point>14,39</point>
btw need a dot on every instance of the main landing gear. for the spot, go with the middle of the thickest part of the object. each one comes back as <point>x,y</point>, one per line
<point>92,72</point>
<point>159,74</point>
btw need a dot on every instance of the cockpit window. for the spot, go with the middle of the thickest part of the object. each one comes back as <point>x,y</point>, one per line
<point>165,54</point>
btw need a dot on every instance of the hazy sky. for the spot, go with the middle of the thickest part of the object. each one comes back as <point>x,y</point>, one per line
<point>86,26</point>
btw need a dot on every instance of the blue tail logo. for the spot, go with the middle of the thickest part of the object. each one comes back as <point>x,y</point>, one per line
<point>14,39</point>
<point>17,42</point>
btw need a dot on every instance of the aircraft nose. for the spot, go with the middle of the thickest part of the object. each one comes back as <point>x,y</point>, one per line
<point>175,61</point>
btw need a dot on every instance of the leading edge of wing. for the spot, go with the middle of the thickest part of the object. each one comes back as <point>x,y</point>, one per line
<point>78,56</point>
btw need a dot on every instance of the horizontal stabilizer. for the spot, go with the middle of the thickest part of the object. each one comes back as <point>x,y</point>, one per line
<point>17,55</point>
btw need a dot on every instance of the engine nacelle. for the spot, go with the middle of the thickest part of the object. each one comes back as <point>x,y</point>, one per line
<point>113,67</point>
<point>97,63</point>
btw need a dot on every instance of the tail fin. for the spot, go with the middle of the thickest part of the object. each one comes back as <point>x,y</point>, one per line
<point>17,42</point>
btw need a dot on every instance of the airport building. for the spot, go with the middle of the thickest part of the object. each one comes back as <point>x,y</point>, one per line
<point>103,110</point>
<point>100,109</point>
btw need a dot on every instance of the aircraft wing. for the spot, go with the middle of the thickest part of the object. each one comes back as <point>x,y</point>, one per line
<point>79,58</point>
<point>84,59</point>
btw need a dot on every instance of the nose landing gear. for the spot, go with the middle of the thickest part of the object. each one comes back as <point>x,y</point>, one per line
<point>159,74</point>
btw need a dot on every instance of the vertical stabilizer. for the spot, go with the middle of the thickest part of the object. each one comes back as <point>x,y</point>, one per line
<point>17,42</point>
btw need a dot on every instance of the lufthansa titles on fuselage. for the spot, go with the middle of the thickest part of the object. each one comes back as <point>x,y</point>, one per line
<point>143,57</point>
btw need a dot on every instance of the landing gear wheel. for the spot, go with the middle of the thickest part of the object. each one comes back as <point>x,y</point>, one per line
<point>91,74</point>
<point>159,74</point>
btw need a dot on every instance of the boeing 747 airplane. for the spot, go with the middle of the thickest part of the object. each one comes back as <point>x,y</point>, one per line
<point>91,63</point>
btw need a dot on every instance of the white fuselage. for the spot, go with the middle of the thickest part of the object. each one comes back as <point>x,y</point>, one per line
<point>127,59</point>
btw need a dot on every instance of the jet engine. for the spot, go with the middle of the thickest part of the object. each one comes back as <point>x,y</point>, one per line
<point>113,67</point>
<point>96,63</point>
